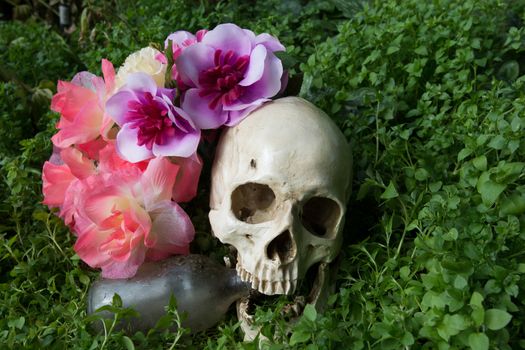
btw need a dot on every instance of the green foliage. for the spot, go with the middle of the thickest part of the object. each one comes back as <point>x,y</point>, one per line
<point>432,98</point>
<point>431,95</point>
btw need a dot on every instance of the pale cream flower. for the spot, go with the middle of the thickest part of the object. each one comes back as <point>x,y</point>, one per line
<point>142,61</point>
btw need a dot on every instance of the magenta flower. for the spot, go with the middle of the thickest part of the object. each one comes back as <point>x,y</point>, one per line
<point>230,72</point>
<point>151,125</point>
<point>181,40</point>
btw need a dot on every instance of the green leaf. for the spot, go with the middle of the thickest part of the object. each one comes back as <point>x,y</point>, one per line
<point>513,205</point>
<point>299,337</point>
<point>452,325</point>
<point>421,174</point>
<point>390,192</point>
<point>489,189</point>
<point>460,282</point>
<point>421,50</point>
<point>478,341</point>
<point>17,323</point>
<point>477,315</point>
<point>408,339</point>
<point>288,60</point>
<point>464,153</point>
<point>498,142</point>
<point>404,273</point>
<point>508,172</point>
<point>480,163</point>
<point>128,343</point>
<point>84,279</point>
<point>476,299</point>
<point>509,71</point>
<point>310,313</point>
<point>497,319</point>
<point>392,49</point>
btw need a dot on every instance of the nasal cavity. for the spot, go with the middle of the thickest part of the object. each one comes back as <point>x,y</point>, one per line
<point>282,248</point>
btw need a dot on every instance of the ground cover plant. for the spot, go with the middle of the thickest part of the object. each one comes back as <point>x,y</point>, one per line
<point>431,96</point>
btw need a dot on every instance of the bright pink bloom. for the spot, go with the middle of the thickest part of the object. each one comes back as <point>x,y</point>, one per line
<point>151,125</point>
<point>230,72</point>
<point>68,165</point>
<point>55,182</point>
<point>81,105</point>
<point>187,181</point>
<point>182,39</point>
<point>127,217</point>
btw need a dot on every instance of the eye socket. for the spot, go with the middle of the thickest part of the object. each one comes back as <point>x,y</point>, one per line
<point>253,203</point>
<point>320,215</point>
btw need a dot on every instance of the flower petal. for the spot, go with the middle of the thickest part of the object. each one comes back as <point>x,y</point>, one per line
<point>202,115</point>
<point>108,72</point>
<point>117,106</point>
<point>256,67</point>
<point>83,128</point>
<point>179,38</point>
<point>158,180</point>
<point>272,43</point>
<point>228,37</point>
<point>71,98</point>
<point>125,269</point>
<point>80,166</point>
<point>171,228</point>
<point>192,61</point>
<point>235,117</point>
<point>141,82</point>
<point>266,87</point>
<point>55,182</point>
<point>180,145</point>
<point>185,188</point>
<point>128,148</point>
<point>87,245</point>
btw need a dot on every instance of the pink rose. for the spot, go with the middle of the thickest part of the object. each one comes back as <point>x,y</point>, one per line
<point>81,105</point>
<point>127,217</point>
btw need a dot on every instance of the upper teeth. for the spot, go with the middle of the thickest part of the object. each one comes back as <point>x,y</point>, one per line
<point>265,286</point>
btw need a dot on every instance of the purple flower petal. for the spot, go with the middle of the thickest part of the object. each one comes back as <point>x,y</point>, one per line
<point>182,120</point>
<point>266,87</point>
<point>117,106</point>
<point>180,145</point>
<point>235,117</point>
<point>269,84</point>
<point>128,148</point>
<point>228,37</point>
<point>256,67</point>
<point>141,82</point>
<point>270,42</point>
<point>179,37</point>
<point>203,116</point>
<point>192,61</point>
<point>240,105</point>
<point>170,226</point>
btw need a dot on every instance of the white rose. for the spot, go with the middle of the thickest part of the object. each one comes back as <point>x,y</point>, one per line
<point>142,61</point>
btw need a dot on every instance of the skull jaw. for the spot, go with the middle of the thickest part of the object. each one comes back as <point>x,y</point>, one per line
<point>323,286</point>
<point>267,287</point>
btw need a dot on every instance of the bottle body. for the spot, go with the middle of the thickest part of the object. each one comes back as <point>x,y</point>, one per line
<point>203,288</point>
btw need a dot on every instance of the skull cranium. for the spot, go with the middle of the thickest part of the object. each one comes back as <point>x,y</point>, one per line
<point>280,182</point>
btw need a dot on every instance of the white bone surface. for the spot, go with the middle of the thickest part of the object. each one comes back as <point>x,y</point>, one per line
<point>280,182</point>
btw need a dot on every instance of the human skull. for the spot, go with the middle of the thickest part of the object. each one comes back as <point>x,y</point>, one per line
<point>280,182</point>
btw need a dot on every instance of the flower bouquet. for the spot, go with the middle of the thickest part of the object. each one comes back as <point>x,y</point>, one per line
<point>125,153</point>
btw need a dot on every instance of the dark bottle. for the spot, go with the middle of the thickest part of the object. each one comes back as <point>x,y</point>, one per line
<point>203,288</point>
